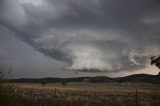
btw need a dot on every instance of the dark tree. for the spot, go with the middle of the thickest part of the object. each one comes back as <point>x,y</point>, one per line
<point>155,61</point>
<point>64,82</point>
<point>43,83</point>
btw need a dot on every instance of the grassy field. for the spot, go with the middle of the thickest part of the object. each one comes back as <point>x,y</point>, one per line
<point>83,94</point>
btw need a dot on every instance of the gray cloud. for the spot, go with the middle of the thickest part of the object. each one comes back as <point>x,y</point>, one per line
<point>107,35</point>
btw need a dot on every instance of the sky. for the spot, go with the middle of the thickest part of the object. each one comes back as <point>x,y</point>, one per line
<point>73,38</point>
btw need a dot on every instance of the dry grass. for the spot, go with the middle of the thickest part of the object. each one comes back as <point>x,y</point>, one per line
<point>78,94</point>
<point>87,94</point>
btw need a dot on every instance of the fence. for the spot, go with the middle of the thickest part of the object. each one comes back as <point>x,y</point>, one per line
<point>88,97</point>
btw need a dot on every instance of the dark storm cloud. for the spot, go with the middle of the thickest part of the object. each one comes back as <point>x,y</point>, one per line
<point>107,35</point>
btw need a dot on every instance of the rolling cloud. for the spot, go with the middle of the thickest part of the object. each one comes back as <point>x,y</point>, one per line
<point>106,35</point>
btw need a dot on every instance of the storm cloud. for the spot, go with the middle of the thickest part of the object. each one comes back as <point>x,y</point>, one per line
<point>106,35</point>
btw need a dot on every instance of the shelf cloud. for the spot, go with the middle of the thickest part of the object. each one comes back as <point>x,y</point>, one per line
<point>105,35</point>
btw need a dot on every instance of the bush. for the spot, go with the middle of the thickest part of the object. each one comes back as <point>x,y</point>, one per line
<point>43,83</point>
<point>7,91</point>
<point>64,82</point>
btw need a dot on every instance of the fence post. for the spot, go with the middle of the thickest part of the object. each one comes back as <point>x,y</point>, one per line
<point>55,91</point>
<point>136,98</point>
<point>86,95</point>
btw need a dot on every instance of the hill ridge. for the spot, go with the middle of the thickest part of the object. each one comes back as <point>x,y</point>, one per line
<point>134,78</point>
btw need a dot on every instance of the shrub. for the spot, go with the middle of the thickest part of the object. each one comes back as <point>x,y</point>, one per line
<point>7,91</point>
<point>64,82</point>
<point>43,83</point>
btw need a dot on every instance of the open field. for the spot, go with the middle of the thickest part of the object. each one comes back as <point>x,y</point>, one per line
<point>92,86</point>
<point>88,94</point>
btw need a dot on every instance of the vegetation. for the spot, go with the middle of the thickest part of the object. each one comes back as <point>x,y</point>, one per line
<point>43,82</point>
<point>155,61</point>
<point>77,94</point>
<point>7,91</point>
<point>64,82</point>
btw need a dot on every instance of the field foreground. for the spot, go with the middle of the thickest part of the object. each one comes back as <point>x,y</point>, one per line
<point>87,94</point>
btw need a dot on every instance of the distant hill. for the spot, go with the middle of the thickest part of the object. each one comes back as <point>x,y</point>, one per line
<point>135,78</point>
